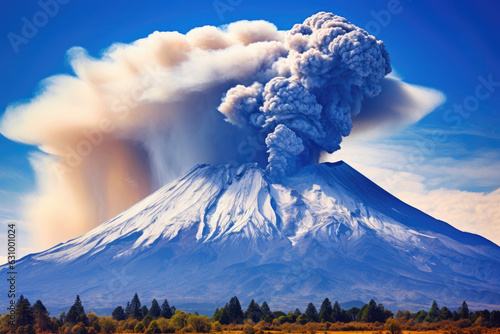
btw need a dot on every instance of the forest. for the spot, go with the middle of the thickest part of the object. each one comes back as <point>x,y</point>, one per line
<point>135,317</point>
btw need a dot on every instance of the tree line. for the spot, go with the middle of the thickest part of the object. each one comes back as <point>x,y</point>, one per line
<point>138,318</point>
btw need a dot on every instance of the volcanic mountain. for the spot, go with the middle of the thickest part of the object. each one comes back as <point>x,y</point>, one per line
<point>225,230</point>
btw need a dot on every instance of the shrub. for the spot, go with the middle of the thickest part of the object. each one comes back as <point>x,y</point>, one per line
<point>79,328</point>
<point>393,326</point>
<point>247,329</point>
<point>139,328</point>
<point>179,320</point>
<point>25,330</point>
<point>216,326</point>
<point>147,321</point>
<point>200,323</point>
<point>108,325</point>
<point>164,325</point>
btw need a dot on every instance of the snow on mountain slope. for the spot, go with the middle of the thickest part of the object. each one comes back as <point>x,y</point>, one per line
<point>224,230</point>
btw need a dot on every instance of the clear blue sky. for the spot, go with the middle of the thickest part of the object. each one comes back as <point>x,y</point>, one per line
<point>445,45</point>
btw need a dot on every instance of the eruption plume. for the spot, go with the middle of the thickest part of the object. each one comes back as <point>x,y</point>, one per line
<point>331,66</point>
<point>145,112</point>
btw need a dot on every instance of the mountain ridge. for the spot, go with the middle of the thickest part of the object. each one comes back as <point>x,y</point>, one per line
<point>224,230</point>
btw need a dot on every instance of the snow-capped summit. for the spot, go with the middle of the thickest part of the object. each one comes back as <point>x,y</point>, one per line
<point>225,230</point>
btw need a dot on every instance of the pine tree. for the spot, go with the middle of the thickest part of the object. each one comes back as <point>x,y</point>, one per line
<point>265,309</point>
<point>325,311</point>
<point>352,314</point>
<point>38,307</point>
<point>144,311</point>
<point>495,318</point>
<point>217,314</point>
<point>297,312</point>
<point>118,313</point>
<point>266,312</point>
<point>24,312</point>
<point>41,316</point>
<point>433,313</point>
<point>166,311</point>
<point>368,313</point>
<point>337,312</point>
<point>135,307</point>
<point>234,311</point>
<point>225,319</point>
<point>253,312</point>
<point>311,313</point>
<point>76,313</point>
<point>155,310</point>
<point>128,310</point>
<point>463,311</point>
<point>382,314</point>
<point>62,316</point>
<point>444,314</point>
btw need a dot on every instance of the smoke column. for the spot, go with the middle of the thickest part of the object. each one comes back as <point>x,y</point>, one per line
<point>143,113</point>
<point>331,66</point>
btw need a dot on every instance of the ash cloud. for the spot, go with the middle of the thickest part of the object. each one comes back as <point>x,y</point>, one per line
<point>143,113</point>
<point>331,66</point>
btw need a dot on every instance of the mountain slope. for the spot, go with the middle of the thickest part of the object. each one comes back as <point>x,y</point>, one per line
<point>224,230</point>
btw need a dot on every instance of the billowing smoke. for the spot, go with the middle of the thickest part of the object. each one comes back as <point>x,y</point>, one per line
<point>331,66</point>
<point>146,112</point>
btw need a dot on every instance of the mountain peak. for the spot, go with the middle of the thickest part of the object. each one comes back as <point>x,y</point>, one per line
<point>224,230</point>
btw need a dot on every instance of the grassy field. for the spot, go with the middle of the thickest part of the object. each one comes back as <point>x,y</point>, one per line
<point>463,331</point>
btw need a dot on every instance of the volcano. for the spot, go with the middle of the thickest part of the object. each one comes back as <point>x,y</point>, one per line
<point>226,230</point>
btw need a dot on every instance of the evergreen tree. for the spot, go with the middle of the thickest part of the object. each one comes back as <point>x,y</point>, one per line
<point>311,313</point>
<point>144,311</point>
<point>433,313</point>
<point>38,307</point>
<point>266,312</point>
<point>166,311</point>
<point>297,312</point>
<point>368,312</point>
<point>495,318</point>
<point>383,314</point>
<point>76,313</point>
<point>216,316</point>
<point>463,311</point>
<point>253,312</point>
<point>337,312</point>
<point>128,311</point>
<point>325,311</point>
<point>444,314</point>
<point>420,316</point>
<point>24,312</point>
<point>135,307</point>
<point>352,314</point>
<point>62,317</point>
<point>225,319</point>
<point>234,311</point>
<point>155,310</point>
<point>41,316</point>
<point>118,313</point>
<point>265,309</point>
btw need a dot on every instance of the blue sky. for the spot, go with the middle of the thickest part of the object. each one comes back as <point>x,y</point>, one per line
<point>445,45</point>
